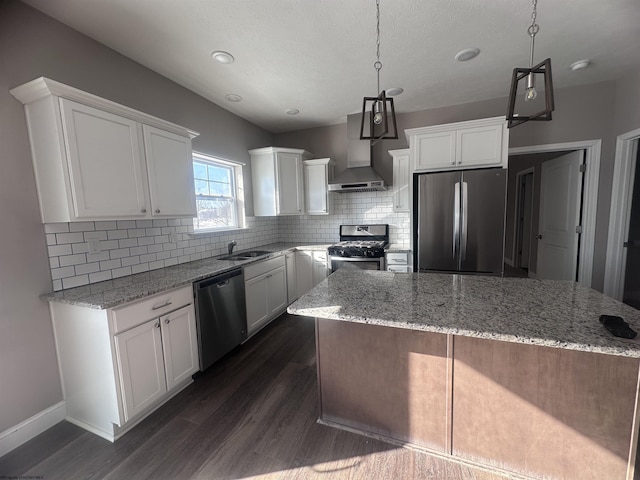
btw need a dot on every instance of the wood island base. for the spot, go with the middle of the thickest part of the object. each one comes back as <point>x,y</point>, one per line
<point>535,411</point>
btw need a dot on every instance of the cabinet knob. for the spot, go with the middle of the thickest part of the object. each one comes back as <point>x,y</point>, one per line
<point>167,321</point>
<point>158,325</point>
<point>157,210</point>
<point>144,210</point>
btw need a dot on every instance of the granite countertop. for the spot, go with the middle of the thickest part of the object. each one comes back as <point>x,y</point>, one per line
<point>122,290</point>
<point>397,248</point>
<point>551,313</point>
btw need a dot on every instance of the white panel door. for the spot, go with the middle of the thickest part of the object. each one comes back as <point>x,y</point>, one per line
<point>320,267</point>
<point>290,191</point>
<point>141,367</point>
<point>257,300</point>
<point>105,162</point>
<point>170,170</point>
<point>277,281</point>
<point>179,342</point>
<point>292,283</point>
<point>560,191</point>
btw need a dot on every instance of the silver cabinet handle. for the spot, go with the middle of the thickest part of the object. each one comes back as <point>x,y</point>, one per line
<point>157,210</point>
<point>144,210</point>
<point>165,304</point>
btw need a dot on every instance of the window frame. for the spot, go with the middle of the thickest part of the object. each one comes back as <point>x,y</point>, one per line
<point>237,191</point>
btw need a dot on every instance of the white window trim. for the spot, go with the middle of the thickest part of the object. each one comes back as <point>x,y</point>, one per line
<point>239,192</point>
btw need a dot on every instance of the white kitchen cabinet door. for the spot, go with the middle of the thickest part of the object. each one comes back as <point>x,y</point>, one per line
<point>401,179</point>
<point>170,171</point>
<point>435,150</point>
<point>277,290</point>
<point>141,367</point>
<point>304,271</point>
<point>317,174</point>
<point>479,146</point>
<point>179,343</point>
<point>290,184</point>
<point>292,284</point>
<point>104,158</point>
<point>257,299</point>
<point>320,267</point>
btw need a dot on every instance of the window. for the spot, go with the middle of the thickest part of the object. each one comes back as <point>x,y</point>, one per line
<point>219,201</point>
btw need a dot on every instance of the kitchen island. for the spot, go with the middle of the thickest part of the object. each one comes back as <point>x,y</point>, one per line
<point>517,375</point>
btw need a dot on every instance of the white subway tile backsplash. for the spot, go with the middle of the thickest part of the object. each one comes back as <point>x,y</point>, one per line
<point>135,246</point>
<point>56,228</point>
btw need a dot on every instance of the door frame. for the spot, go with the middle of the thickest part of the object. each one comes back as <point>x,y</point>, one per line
<point>621,192</point>
<point>516,222</point>
<point>592,152</point>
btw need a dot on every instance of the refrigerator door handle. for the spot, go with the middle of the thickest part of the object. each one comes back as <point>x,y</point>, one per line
<point>456,218</point>
<point>463,233</point>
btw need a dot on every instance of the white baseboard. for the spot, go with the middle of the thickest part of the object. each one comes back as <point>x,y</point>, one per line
<point>508,261</point>
<point>23,432</point>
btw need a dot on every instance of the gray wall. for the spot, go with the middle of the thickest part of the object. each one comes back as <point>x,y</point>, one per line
<point>34,45</point>
<point>582,113</point>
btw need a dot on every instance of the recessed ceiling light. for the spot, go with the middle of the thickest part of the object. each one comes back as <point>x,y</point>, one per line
<point>232,97</point>
<point>467,54</point>
<point>222,57</point>
<point>579,65</point>
<point>394,91</point>
<point>292,111</point>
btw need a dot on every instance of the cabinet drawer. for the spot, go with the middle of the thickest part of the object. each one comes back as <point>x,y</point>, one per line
<point>259,268</point>
<point>399,268</point>
<point>397,259</point>
<point>135,313</point>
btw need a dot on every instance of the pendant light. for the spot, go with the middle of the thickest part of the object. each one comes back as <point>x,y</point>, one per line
<point>379,110</point>
<point>529,75</point>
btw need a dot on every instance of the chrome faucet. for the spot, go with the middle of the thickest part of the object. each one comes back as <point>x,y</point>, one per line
<point>232,244</point>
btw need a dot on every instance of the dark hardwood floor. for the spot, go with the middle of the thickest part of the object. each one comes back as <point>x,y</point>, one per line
<point>251,415</point>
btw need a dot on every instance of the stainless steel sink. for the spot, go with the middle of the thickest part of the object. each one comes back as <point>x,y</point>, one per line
<point>246,255</point>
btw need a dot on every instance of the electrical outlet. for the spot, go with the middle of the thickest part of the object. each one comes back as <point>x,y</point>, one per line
<point>94,245</point>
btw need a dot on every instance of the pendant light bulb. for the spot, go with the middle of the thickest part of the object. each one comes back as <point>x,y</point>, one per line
<point>530,92</point>
<point>377,113</point>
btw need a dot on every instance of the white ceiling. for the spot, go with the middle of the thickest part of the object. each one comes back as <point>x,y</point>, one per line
<point>317,55</point>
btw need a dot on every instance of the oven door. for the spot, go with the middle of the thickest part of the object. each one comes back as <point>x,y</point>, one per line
<point>357,263</point>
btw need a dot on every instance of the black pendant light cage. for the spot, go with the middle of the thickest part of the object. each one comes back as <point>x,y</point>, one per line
<point>520,74</point>
<point>387,128</point>
<point>380,127</point>
<point>529,75</point>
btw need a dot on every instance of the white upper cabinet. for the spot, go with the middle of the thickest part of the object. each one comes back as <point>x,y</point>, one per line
<point>277,179</point>
<point>170,170</point>
<point>401,179</point>
<point>454,146</point>
<point>317,174</point>
<point>96,160</point>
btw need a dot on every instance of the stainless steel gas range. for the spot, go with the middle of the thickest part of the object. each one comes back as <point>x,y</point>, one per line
<point>361,247</point>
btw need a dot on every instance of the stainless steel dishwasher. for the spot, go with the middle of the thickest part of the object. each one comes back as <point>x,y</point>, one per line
<point>221,315</point>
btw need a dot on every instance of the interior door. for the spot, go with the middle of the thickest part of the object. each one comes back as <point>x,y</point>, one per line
<point>525,216</point>
<point>560,192</point>
<point>437,231</point>
<point>483,198</point>
<point>631,295</point>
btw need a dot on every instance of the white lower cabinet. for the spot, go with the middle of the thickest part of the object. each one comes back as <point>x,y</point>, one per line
<point>118,365</point>
<point>398,262</point>
<point>265,291</point>
<point>312,266</point>
<point>292,282</point>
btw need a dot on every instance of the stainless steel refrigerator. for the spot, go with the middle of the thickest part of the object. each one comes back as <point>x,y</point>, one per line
<point>459,221</point>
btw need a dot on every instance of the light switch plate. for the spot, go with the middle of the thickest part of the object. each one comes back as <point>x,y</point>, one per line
<point>94,245</point>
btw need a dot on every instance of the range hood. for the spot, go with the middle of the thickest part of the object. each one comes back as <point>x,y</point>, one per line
<point>359,175</point>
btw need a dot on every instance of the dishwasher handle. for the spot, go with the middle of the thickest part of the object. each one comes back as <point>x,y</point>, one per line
<point>218,280</point>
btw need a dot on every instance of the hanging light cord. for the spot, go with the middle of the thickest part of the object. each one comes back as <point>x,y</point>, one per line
<point>378,64</point>
<point>532,30</point>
